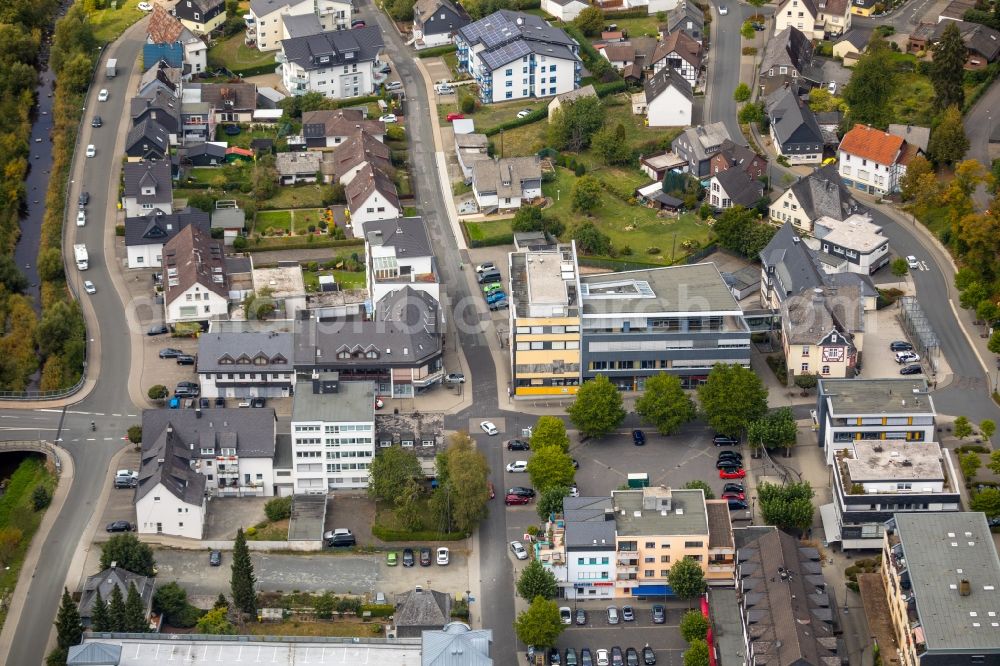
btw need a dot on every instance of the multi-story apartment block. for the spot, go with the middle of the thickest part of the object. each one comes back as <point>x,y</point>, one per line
<point>581,553</point>
<point>333,433</point>
<point>941,575</point>
<point>245,364</point>
<point>874,479</point>
<point>545,321</point>
<point>872,409</point>
<point>513,55</point>
<point>336,64</point>
<point>265,26</point>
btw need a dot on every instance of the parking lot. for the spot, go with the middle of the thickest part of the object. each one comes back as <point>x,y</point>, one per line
<point>665,639</point>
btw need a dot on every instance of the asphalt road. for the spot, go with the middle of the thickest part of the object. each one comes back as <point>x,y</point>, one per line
<point>725,52</point>
<point>108,404</point>
<point>978,128</point>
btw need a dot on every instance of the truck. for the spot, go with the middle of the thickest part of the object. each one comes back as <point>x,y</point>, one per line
<point>82,260</point>
<point>112,68</point>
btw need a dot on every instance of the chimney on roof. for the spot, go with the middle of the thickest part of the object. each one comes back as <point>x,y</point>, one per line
<point>964,587</point>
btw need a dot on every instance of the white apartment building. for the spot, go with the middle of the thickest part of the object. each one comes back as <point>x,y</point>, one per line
<point>337,64</point>
<point>333,433</point>
<point>583,554</point>
<point>856,243</point>
<point>265,27</point>
<point>246,364</point>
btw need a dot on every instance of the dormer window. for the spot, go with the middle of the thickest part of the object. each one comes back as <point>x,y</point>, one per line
<point>344,355</point>
<point>324,59</point>
<point>371,354</point>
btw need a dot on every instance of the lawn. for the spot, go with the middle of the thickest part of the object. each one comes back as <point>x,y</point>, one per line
<point>238,172</point>
<point>243,139</point>
<point>109,24</point>
<point>637,27</point>
<point>912,99</point>
<point>629,226</point>
<point>487,232</point>
<point>233,54</point>
<point>344,628</point>
<point>308,195</point>
<point>268,531</point>
<point>522,141</point>
<point>491,115</point>
<point>346,279</point>
<point>294,222</point>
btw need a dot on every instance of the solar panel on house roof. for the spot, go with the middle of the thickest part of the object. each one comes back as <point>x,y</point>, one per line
<point>505,54</point>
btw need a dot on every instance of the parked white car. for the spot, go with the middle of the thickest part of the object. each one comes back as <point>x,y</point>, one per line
<point>518,549</point>
<point>388,118</point>
<point>489,427</point>
<point>566,615</point>
<point>145,7</point>
<point>907,357</point>
<point>443,556</point>
<point>518,466</point>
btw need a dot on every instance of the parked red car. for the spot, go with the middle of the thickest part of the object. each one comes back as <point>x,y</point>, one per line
<point>731,473</point>
<point>516,499</point>
<point>455,116</point>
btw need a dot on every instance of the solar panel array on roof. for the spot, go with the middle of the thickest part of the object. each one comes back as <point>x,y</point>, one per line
<point>505,54</point>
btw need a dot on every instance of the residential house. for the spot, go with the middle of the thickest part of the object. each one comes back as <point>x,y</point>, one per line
<point>863,7</point>
<point>147,186</point>
<point>856,242</point>
<point>472,646</point>
<point>581,553</point>
<point>955,10</point>
<point>852,44</point>
<point>686,17</point>
<point>513,55</point>
<point>160,76</point>
<point>371,195</point>
<point>873,161</point>
<point>230,218</point>
<point>145,236</point>
<point>570,97</point>
<point>230,102</point>
<point>506,183</point>
<point>245,364</point>
<point>919,39</point>
<point>471,148</point>
<point>619,54</point>
<point>734,156</point>
<point>821,331</point>
<point>815,18</point>
<point>333,432</point>
<point>419,432</point>
<point>874,479</point>
<point>820,194</point>
<point>669,99</point>
<point>300,25</point>
<point>847,410</point>
<point>170,496</point>
<point>203,154</point>
<point>697,145</point>
<point>397,253</point>
<point>233,449</point>
<point>337,64</point>
<point>197,119</point>
<point>264,26</point>
<point>793,127</point>
<point>160,107</point>
<point>201,16</point>
<point>787,60</point>
<point>147,141</point>
<point>656,165</point>
<point>435,22</point>
<point>564,10</point>
<point>913,135</point>
<point>787,611</point>
<point>168,40</point>
<point>734,187</point>
<point>981,41</point>
<point>939,571</point>
<point>196,285</point>
<point>682,54</point>
<point>397,344</point>
<point>421,610</point>
<point>295,168</point>
<point>344,162</point>
<point>105,582</point>
<point>328,129</point>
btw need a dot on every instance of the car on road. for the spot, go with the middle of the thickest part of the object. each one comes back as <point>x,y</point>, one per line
<point>631,657</point>
<point>521,490</point>
<point>89,287</point>
<point>455,378</point>
<point>518,549</point>
<point>725,440</point>
<point>736,504</point>
<point>215,559</point>
<point>408,559</point>
<point>648,656</point>
<point>119,526</point>
<point>81,218</point>
<point>145,7</point>
<point>425,557</point>
<point>103,95</point>
<point>391,558</point>
<point>911,370</point>
<point>96,122</point>
<point>517,466</point>
<point>486,266</point>
<point>723,10</point>
<point>900,345</point>
<point>602,658</point>
<point>83,199</point>
<point>628,614</point>
<point>185,359</point>
<point>613,617</point>
<point>730,487</point>
<point>565,615</point>
<point>912,262</point>
<point>659,614</point>
<point>516,500</point>
<point>581,617</point>
<point>258,403</point>
<point>524,113</point>
<point>907,357</point>
<point>489,428</point>
<point>443,556</point>
<point>732,473</point>
<point>638,437</point>
<point>170,352</point>
<point>91,151</point>
<point>388,118</point>
<point>518,445</point>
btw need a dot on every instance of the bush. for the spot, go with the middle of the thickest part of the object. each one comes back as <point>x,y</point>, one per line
<point>468,104</point>
<point>377,610</point>
<point>533,117</point>
<point>435,52</point>
<point>41,498</point>
<point>279,508</point>
<point>386,534</point>
<point>395,133</point>
<point>158,392</point>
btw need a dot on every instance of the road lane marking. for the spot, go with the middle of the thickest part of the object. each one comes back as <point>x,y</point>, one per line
<point>54,411</point>
<point>116,415</point>
<point>91,439</point>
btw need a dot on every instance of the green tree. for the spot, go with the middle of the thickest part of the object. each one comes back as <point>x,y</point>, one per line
<point>135,617</point>
<point>586,194</point>
<point>549,467</point>
<point>611,144</point>
<point>278,508</point>
<point>696,484</point>
<point>590,240</point>
<point>664,404</point>
<point>135,433</point>
<point>948,143</point>
<point>461,497</point>
<point>551,501</point>
<point>994,343</point>
<point>100,620</point>
<point>69,630</point>
<point>752,112</point>
<point>390,471</point>
<point>741,230</point>
<point>242,582</point>
<point>988,427</point>
<point>969,462</point>
<point>549,431</point>
<point>590,21</point>
<point>821,101</point>
<point>871,85</point>
<point>128,553</point>
<point>947,71</point>
<point>41,497</point>
<point>694,626</point>
<point>597,409</point>
<point>962,427</point>
<point>786,506</point>
<point>171,600</point>
<point>536,581</point>
<point>747,32</point>
<point>986,500</point>
<point>158,392</point>
<point>806,381</point>
<point>116,610</point>
<point>50,264</point>
<point>899,267</point>
<point>697,652</point>
<point>910,183</point>
<point>732,398</point>
<point>10,277</point>
<point>687,579</point>
<point>215,622</point>
<point>408,508</point>
<point>575,123</point>
<point>776,429</point>
<point>987,311</point>
<point>742,93</point>
<point>265,178</point>
<point>539,625</point>
<point>10,540</point>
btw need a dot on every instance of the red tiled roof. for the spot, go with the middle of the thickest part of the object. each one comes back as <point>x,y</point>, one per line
<point>236,150</point>
<point>873,144</point>
<point>163,28</point>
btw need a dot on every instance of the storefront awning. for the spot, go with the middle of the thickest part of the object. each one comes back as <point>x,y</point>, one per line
<point>652,591</point>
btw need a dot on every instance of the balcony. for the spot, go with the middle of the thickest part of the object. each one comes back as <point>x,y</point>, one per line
<point>627,558</point>
<point>624,569</point>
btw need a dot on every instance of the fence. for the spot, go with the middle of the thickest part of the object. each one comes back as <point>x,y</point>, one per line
<point>37,446</point>
<point>919,330</point>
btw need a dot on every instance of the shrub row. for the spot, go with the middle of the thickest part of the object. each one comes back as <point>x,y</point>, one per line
<point>610,88</point>
<point>611,15</point>
<point>436,51</point>
<point>305,245</point>
<point>386,534</point>
<point>533,117</point>
<point>255,70</point>
<point>378,610</point>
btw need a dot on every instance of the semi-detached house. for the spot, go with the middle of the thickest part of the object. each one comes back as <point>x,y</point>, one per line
<point>148,187</point>
<point>435,22</point>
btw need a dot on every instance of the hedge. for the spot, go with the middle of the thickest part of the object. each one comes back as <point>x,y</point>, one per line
<point>533,117</point>
<point>377,610</point>
<point>590,54</point>
<point>435,51</point>
<point>616,264</point>
<point>611,15</point>
<point>356,101</point>
<point>347,242</point>
<point>507,239</point>
<point>612,88</point>
<point>386,534</point>
<point>255,70</point>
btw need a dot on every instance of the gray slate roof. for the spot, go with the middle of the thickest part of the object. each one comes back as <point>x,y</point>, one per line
<point>157,227</point>
<point>210,149</point>
<point>704,137</point>
<point>587,527</point>
<point>788,48</point>
<point>407,235</point>
<point>506,176</point>
<point>263,7</point>
<point>508,35</point>
<point>301,25</point>
<point>912,134</point>
<point>794,267</point>
<point>857,37</point>
<point>152,172</point>
<point>94,654</point>
<point>823,193</point>
<point>743,189</point>
<point>174,472</point>
<point>249,431</point>
<point>687,17</point>
<point>215,348</point>
<point>148,137</point>
<point>665,78</point>
<point>456,645</point>
<point>792,119</point>
<point>420,610</point>
<point>158,104</point>
<point>106,581</point>
<point>365,43</point>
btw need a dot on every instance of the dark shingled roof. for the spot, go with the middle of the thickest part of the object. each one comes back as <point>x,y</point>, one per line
<point>743,189</point>
<point>151,173</point>
<point>418,610</point>
<point>166,459</point>
<point>793,121</point>
<point>158,227</point>
<point>197,258</point>
<point>249,431</point>
<point>407,235</point>
<point>790,48</point>
<point>366,181</point>
<point>106,581</point>
<point>341,122</point>
<point>663,79</point>
<point>244,351</point>
<point>149,139</point>
<point>364,43</point>
<point>823,193</point>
